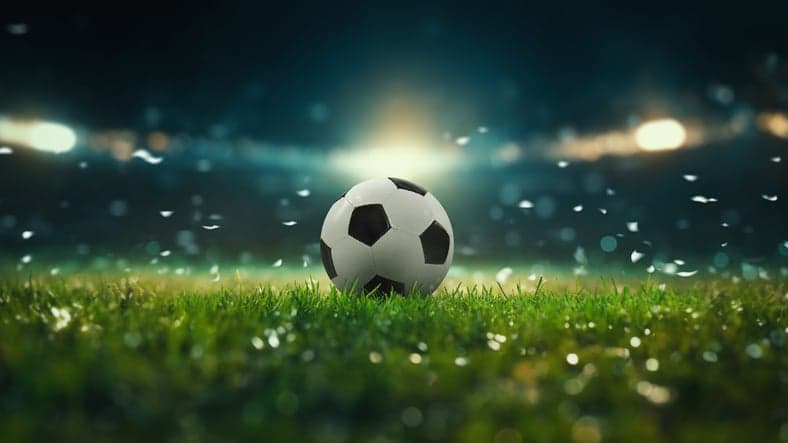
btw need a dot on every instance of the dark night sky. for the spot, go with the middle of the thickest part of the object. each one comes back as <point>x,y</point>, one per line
<point>258,69</point>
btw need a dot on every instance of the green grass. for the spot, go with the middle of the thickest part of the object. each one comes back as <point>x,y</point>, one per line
<point>156,359</point>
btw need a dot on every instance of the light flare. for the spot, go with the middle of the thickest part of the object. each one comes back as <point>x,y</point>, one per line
<point>40,135</point>
<point>660,135</point>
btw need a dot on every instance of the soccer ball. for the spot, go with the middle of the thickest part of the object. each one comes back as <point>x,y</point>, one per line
<point>387,234</point>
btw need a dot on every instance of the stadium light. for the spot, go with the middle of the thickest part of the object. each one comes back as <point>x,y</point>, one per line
<point>660,135</point>
<point>40,135</point>
<point>412,162</point>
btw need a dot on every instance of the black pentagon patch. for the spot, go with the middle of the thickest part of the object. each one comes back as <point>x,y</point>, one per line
<point>435,244</point>
<point>408,186</point>
<point>384,286</point>
<point>368,223</point>
<point>328,262</point>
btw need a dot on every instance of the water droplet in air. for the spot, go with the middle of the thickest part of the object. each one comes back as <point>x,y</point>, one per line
<point>526,204</point>
<point>146,156</point>
<point>771,198</point>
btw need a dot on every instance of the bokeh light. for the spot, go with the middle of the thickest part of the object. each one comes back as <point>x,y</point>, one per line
<point>41,135</point>
<point>659,135</point>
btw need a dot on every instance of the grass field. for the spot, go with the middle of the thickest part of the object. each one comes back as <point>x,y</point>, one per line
<point>111,359</point>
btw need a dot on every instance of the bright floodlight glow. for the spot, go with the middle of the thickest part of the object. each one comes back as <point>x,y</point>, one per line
<point>660,135</point>
<point>40,135</point>
<point>775,123</point>
<point>405,162</point>
<point>52,137</point>
<point>398,140</point>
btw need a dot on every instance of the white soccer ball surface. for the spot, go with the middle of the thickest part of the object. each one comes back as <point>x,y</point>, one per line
<point>387,234</point>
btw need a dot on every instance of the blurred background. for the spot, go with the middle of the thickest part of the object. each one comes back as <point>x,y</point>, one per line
<point>192,139</point>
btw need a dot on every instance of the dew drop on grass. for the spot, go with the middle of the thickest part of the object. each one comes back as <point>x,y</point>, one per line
<point>602,211</point>
<point>5,150</point>
<point>257,343</point>
<point>166,214</point>
<point>690,177</point>
<point>494,345</point>
<point>273,341</point>
<point>776,159</point>
<point>634,342</point>
<point>632,226</point>
<point>165,253</point>
<point>710,357</point>
<point>290,223</point>
<point>415,358</point>
<point>303,192</point>
<point>650,269</point>
<point>375,357</point>
<point>578,208</point>
<point>277,263</point>
<point>652,365</point>
<point>62,318</point>
<point>462,141</point>
<point>28,235</point>
<point>635,256</point>
<point>461,361</point>
<point>754,350</point>
<point>562,164</point>
<point>210,227</point>
<point>27,259</point>
<point>572,358</point>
